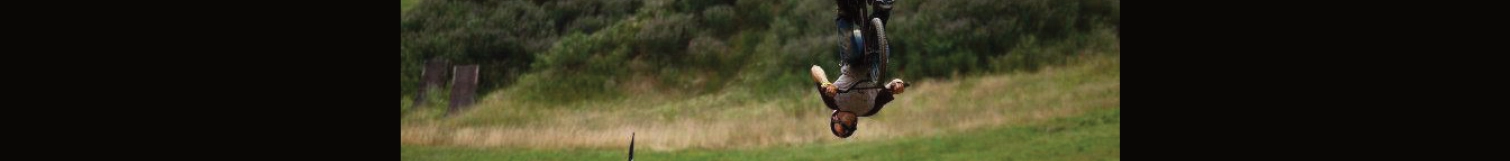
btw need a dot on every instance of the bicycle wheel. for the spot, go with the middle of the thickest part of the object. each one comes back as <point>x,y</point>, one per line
<point>882,46</point>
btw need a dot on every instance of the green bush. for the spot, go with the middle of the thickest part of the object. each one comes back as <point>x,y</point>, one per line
<point>719,19</point>
<point>564,50</point>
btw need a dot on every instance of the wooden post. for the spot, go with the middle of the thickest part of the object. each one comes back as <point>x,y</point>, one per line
<point>433,78</point>
<point>463,87</point>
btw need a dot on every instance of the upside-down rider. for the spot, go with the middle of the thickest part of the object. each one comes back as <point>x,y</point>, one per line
<point>854,94</point>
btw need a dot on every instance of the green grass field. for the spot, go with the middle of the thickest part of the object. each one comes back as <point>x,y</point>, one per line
<point>1095,135</point>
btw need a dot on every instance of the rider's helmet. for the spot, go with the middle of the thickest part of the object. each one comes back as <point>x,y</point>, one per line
<point>843,123</point>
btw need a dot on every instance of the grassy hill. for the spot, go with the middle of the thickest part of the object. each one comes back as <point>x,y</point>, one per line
<point>727,80</point>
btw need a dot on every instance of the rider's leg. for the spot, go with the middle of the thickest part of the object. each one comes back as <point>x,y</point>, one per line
<point>849,44</point>
<point>856,48</point>
<point>850,58</point>
<point>843,25</point>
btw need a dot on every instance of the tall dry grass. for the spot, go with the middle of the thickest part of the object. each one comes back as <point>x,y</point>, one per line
<point>734,119</point>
